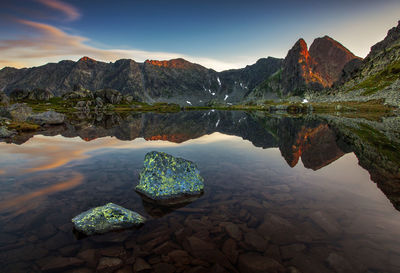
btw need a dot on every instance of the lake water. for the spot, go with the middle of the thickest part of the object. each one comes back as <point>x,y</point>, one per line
<point>282,194</point>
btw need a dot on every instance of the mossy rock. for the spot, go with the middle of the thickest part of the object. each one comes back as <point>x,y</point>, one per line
<point>103,219</point>
<point>168,179</point>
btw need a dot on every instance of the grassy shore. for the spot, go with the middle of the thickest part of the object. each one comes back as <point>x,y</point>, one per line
<point>370,109</point>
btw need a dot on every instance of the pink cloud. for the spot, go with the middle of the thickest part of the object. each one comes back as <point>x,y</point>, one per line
<point>70,11</point>
<point>46,43</point>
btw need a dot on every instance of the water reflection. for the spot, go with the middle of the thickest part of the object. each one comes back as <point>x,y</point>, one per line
<point>290,189</point>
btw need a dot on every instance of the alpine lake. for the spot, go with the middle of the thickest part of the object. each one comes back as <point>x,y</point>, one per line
<point>282,193</point>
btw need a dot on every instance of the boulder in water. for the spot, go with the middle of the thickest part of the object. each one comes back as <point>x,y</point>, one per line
<point>109,217</point>
<point>166,178</point>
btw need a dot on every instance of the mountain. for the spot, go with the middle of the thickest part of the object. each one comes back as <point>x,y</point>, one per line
<point>304,69</point>
<point>379,71</point>
<point>177,80</point>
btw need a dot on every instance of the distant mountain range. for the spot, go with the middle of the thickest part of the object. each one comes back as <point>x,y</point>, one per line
<point>325,64</point>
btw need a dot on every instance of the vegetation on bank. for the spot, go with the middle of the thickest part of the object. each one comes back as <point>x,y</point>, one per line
<point>380,80</point>
<point>370,109</point>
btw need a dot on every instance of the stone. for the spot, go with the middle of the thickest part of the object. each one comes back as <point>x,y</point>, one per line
<point>128,98</point>
<point>168,178</point>
<point>68,251</point>
<point>80,270</point>
<point>125,269</point>
<point>141,266</point>
<point>89,256</point>
<point>78,94</point>
<point>255,241</point>
<point>19,94</point>
<point>58,263</point>
<point>106,218</point>
<point>229,248</point>
<point>50,117</point>
<point>19,111</point>
<point>57,241</point>
<point>233,230</point>
<point>256,263</point>
<point>291,251</point>
<point>164,268</point>
<point>5,133</point>
<point>108,265</point>
<point>109,96</point>
<point>325,222</point>
<point>4,98</point>
<point>165,248</point>
<point>39,94</point>
<point>116,251</point>
<point>338,263</point>
<point>179,257</point>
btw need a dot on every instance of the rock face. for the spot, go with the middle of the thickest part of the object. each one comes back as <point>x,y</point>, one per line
<point>106,218</point>
<point>303,69</point>
<point>109,96</point>
<point>5,133</point>
<point>37,94</point>
<point>49,117</point>
<point>330,57</point>
<point>40,94</point>
<point>4,98</point>
<point>315,69</point>
<point>165,177</point>
<point>173,81</point>
<point>381,68</point>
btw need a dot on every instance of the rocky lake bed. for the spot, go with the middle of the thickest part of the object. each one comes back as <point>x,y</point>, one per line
<point>308,193</point>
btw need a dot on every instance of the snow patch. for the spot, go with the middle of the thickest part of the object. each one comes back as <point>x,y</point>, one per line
<point>213,94</point>
<point>216,124</point>
<point>188,102</point>
<point>305,101</point>
<point>226,96</point>
<point>219,81</point>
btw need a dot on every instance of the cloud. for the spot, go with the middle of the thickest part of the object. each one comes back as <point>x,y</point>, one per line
<point>70,11</point>
<point>47,43</point>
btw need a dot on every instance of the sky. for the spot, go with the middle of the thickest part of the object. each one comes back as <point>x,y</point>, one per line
<point>220,34</point>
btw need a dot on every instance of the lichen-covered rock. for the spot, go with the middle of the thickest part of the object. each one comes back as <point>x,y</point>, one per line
<point>167,177</point>
<point>49,117</point>
<point>106,218</point>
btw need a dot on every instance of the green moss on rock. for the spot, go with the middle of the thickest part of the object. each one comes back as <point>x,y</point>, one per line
<point>106,218</point>
<point>166,177</point>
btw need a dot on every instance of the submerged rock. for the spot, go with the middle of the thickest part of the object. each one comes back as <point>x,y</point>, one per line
<point>168,179</point>
<point>106,218</point>
<point>49,117</point>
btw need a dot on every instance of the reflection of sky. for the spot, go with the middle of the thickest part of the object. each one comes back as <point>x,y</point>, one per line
<point>47,153</point>
<point>54,160</point>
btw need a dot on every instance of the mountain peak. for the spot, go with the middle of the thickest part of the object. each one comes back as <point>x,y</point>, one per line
<point>86,59</point>
<point>329,57</point>
<point>174,63</point>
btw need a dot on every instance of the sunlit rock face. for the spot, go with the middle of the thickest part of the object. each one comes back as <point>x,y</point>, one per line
<point>329,57</point>
<point>168,179</point>
<point>315,69</point>
<point>106,218</point>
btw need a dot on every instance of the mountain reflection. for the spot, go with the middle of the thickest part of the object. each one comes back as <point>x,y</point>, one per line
<point>316,141</point>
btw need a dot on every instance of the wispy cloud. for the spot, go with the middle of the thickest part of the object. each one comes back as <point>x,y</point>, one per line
<point>70,11</point>
<point>47,43</point>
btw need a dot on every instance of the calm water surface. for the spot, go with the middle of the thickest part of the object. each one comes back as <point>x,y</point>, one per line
<point>281,193</point>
